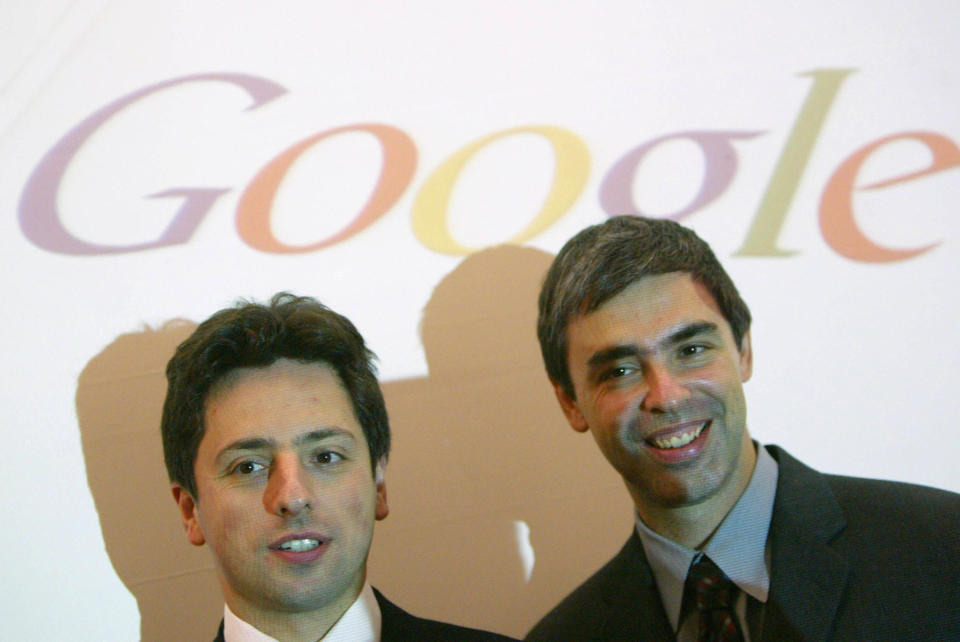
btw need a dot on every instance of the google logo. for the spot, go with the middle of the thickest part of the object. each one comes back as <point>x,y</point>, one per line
<point>41,224</point>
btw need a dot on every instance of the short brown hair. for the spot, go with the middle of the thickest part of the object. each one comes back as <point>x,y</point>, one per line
<point>602,260</point>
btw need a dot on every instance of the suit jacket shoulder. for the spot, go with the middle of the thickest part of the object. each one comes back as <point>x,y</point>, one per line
<point>861,559</point>
<point>618,602</point>
<point>400,626</point>
<point>851,559</point>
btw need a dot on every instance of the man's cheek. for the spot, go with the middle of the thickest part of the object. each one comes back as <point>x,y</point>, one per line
<point>359,503</point>
<point>624,418</point>
<point>238,524</point>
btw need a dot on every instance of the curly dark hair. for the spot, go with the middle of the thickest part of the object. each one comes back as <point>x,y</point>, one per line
<point>602,260</point>
<point>254,335</point>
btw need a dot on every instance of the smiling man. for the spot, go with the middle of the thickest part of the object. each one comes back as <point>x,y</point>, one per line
<point>647,343</point>
<point>276,439</point>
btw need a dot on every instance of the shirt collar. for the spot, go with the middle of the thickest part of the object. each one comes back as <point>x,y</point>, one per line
<point>738,546</point>
<point>361,622</point>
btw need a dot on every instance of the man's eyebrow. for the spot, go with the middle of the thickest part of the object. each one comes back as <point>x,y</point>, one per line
<point>601,357</point>
<point>680,335</point>
<point>689,331</point>
<point>263,443</point>
<point>243,445</point>
<point>322,434</point>
<point>252,443</point>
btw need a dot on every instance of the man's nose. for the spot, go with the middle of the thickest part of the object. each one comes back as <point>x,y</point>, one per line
<point>288,490</point>
<point>664,389</point>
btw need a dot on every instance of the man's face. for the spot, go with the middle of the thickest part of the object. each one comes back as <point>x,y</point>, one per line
<point>285,494</point>
<point>658,382</point>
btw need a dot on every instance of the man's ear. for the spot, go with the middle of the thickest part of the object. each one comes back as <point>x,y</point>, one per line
<point>189,514</point>
<point>378,477</point>
<point>570,409</point>
<point>746,357</point>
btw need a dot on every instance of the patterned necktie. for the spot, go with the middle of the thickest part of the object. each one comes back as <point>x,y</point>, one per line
<point>715,595</point>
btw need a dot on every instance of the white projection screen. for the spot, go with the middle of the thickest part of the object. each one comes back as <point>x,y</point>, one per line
<point>414,166</point>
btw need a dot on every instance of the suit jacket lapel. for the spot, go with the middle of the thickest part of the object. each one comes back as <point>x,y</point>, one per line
<point>394,621</point>
<point>219,637</point>
<point>635,610</point>
<point>808,577</point>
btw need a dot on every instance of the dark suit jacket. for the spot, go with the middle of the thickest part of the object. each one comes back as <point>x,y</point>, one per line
<point>399,626</point>
<point>851,559</point>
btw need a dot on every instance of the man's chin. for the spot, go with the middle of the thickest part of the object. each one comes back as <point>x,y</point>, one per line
<point>312,594</point>
<point>679,489</point>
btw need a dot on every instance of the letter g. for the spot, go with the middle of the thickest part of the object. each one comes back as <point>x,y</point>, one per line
<point>38,215</point>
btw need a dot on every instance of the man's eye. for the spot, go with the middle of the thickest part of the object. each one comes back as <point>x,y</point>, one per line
<point>619,372</point>
<point>248,467</point>
<point>328,457</point>
<point>691,350</point>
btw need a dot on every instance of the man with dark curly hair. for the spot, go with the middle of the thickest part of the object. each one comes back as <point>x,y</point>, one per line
<point>276,439</point>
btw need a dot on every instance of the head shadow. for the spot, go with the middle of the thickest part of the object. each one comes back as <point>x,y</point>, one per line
<point>490,489</point>
<point>119,399</point>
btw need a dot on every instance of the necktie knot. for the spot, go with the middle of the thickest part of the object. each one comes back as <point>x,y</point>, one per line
<point>712,589</point>
<point>714,594</point>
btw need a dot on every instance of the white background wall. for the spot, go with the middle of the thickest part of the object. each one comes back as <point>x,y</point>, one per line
<point>856,366</point>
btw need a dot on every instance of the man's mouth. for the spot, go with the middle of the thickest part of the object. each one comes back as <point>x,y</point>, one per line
<point>299,545</point>
<point>301,548</point>
<point>678,440</point>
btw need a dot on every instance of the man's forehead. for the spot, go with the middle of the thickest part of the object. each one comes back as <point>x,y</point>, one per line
<point>287,403</point>
<point>277,369</point>
<point>662,303</point>
<point>654,289</point>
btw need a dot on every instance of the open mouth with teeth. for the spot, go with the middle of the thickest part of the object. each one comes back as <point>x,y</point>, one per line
<point>678,440</point>
<point>299,545</point>
<point>302,548</point>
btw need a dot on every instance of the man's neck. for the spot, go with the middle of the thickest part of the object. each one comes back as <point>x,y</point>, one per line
<point>692,525</point>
